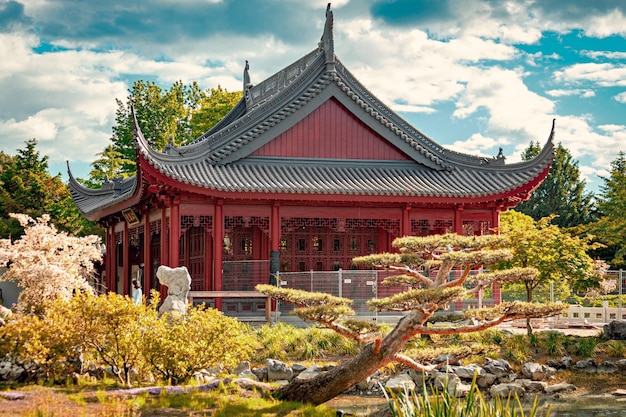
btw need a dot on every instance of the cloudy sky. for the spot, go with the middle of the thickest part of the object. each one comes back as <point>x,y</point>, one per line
<point>474,75</point>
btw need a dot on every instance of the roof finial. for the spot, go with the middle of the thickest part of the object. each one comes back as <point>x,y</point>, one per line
<point>327,42</point>
<point>246,77</point>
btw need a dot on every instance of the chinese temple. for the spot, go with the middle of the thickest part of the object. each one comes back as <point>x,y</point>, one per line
<point>306,172</point>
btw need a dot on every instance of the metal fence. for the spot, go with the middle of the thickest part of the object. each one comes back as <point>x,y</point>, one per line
<point>361,286</point>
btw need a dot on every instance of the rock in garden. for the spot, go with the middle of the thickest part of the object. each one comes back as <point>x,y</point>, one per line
<point>400,383</point>
<point>504,390</point>
<point>277,370</point>
<point>615,330</point>
<point>561,387</point>
<point>178,283</point>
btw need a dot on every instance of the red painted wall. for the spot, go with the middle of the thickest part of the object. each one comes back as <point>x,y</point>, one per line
<point>331,131</point>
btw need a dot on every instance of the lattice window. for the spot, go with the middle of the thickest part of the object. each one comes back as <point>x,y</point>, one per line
<point>476,227</point>
<point>134,232</point>
<point>232,222</point>
<point>329,244</point>
<point>442,226</point>
<point>420,227</point>
<point>155,228</point>
<point>187,222</point>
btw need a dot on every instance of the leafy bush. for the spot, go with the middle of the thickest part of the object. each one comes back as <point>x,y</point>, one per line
<point>517,349</point>
<point>615,348</point>
<point>177,346</point>
<point>282,341</point>
<point>32,341</point>
<point>585,346</point>
<point>552,343</point>
<point>109,328</point>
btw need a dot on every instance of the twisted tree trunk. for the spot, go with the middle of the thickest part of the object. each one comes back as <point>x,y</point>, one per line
<point>330,384</point>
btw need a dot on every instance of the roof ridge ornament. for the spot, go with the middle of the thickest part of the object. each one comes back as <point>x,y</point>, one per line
<point>246,77</point>
<point>327,43</point>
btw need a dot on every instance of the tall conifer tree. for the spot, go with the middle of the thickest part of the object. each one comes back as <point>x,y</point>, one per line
<point>561,193</point>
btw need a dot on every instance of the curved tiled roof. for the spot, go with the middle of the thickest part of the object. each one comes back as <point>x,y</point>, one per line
<point>221,161</point>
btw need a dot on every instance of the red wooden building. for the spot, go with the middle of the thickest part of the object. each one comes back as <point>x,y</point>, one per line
<point>306,172</point>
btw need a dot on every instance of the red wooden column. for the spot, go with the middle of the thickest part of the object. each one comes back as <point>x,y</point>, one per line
<point>457,226</point>
<point>164,238</point>
<point>208,260</point>
<point>275,225</point>
<point>165,250</point>
<point>495,224</point>
<point>147,256</point>
<point>406,220</point>
<point>458,219</point>
<point>111,259</point>
<point>126,261</point>
<point>174,232</point>
<point>218,248</point>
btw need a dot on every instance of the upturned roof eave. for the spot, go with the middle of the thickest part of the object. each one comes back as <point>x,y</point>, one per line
<point>110,197</point>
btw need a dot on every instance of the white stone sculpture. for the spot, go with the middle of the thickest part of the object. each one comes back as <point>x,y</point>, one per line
<point>178,283</point>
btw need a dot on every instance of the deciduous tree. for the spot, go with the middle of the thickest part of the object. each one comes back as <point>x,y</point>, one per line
<point>559,258</point>
<point>424,264</point>
<point>47,263</point>
<point>178,115</point>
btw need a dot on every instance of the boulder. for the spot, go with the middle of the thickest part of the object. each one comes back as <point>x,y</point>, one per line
<point>533,386</point>
<point>468,371</point>
<point>586,365</point>
<point>607,367</point>
<point>536,371</point>
<point>615,330</point>
<point>506,389</point>
<point>561,387</point>
<point>500,368</point>
<point>310,372</point>
<point>400,383</point>
<point>178,283</point>
<point>277,371</point>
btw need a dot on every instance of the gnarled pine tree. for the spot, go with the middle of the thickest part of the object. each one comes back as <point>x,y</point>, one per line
<point>424,264</point>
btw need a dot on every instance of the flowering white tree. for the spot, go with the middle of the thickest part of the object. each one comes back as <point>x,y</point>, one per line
<point>46,263</point>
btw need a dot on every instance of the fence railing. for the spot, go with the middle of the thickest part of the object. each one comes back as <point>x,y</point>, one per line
<point>363,285</point>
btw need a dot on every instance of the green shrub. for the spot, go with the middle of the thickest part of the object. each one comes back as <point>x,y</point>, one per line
<point>282,341</point>
<point>176,346</point>
<point>585,346</point>
<point>552,343</point>
<point>517,349</point>
<point>31,339</point>
<point>615,348</point>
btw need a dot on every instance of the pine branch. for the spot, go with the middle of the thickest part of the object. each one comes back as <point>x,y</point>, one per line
<point>415,299</point>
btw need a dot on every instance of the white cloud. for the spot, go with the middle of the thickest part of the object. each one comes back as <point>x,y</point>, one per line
<point>604,75</point>
<point>621,97</point>
<point>603,25</point>
<point>584,93</point>
<point>477,144</point>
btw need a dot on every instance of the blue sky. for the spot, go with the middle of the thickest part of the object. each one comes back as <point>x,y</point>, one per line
<point>474,75</point>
